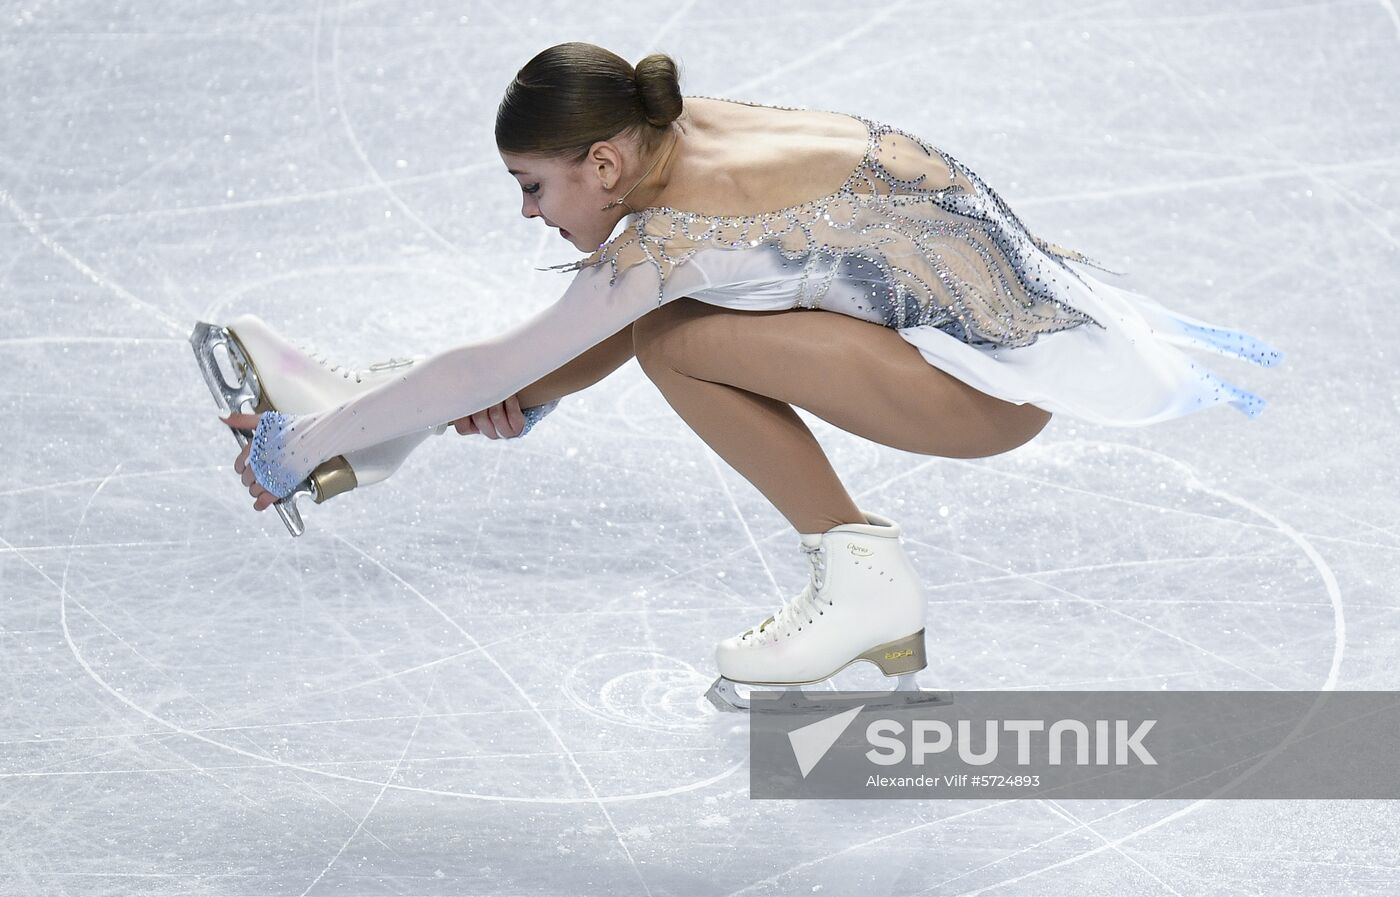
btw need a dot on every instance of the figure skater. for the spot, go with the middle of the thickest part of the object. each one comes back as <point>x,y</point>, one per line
<point>755,258</point>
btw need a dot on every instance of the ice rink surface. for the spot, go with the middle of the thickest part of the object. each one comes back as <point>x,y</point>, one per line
<point>484,676</point>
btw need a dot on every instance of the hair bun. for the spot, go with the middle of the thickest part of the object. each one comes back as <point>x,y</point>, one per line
<point>572,95</point>
<point>659,87</point>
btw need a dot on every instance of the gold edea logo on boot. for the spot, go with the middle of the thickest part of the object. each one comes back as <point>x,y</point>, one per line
<point>859,551</point>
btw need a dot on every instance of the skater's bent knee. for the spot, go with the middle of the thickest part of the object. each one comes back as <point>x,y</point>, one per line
<point>1023,424</point>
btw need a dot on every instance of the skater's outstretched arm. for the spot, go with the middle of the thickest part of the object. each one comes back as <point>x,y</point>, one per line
<point>508,419</point>
<point>460,381</point>
<point>582,372</point>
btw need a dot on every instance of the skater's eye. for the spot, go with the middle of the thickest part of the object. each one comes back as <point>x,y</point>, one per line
<point>532,189</point>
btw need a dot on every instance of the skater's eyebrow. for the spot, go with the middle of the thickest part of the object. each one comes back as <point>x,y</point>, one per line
<point>513,171</point>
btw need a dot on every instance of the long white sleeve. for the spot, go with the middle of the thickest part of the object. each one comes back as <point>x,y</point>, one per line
<point>463,380</point>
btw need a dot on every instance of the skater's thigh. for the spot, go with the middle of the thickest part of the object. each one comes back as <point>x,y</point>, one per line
<point>855,374</point>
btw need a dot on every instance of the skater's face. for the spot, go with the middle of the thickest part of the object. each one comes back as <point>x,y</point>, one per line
<point>571,197</point>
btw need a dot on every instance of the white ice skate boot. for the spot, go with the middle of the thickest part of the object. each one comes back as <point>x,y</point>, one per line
<point>863,601</point>
<point>246,363</point>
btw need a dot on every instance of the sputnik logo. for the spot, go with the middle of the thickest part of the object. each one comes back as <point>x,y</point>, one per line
<point>811,742</point>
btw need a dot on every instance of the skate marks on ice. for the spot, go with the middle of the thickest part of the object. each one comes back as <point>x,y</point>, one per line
<point>1177,478</point>
<point>383,786</point>
<point>1173,529</point>
<point>353,139</point>
<point>643,688</point>
<point>604,681</point>
<point>652,690</point>
<point>76,643</point>
<point>348,182</point>
<point>1186,479</point>
<point>28,222</point>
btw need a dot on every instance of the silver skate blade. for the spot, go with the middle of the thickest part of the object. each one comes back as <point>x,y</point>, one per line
<point>237,391</point>
<point>725,696</point>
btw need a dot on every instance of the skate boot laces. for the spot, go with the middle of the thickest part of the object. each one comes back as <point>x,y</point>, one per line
<point>351,373</point>
<point>803,610</point>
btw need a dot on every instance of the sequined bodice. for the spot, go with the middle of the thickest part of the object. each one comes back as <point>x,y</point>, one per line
<point>917,232</point>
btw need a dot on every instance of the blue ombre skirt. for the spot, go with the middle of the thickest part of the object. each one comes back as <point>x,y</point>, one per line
<point>1132,371</point>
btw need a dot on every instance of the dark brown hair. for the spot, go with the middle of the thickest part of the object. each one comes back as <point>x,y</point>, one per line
<point>573,95</point>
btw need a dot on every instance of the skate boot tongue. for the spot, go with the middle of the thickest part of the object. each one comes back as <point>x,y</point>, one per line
<point>811,540</point>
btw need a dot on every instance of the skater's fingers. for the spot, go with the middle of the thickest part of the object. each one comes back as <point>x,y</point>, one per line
<point>515,418</point>
<point>264,501</point>
<point>245,472</point>
<point>241,421</point>
<point>500,421</point>
<point>465,426</point>
<point>485,424</point>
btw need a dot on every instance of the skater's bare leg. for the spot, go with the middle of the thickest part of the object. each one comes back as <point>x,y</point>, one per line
<point>507,417</point>
<point>581,372</point>
<point>733,375</point>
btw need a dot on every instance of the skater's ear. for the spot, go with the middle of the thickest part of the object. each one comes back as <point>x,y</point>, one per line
<point>605,161</point>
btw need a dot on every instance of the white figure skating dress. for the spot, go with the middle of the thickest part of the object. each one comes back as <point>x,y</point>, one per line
<point>913,240</point>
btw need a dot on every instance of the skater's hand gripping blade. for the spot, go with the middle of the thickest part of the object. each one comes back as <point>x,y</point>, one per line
<point>234,384</point>
<point>242,425</point>
<point>726,696</point>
